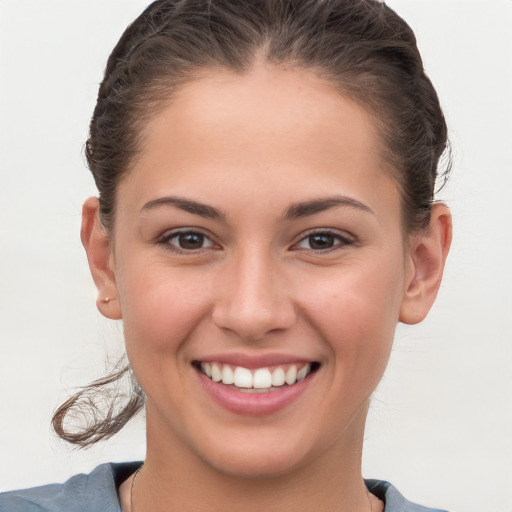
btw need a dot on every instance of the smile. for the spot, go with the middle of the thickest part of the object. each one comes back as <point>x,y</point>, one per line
<point>255,386</point>
<point>259,379</point>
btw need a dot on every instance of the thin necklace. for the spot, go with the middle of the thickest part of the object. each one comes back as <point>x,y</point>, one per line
<point>133,483</point>
<point>369,500</point>
<point>140,467</point>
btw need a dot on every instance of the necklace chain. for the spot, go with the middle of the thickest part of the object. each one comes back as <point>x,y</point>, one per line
<point>133,483</point>
<point>369,500</point>
<point>140,467</point>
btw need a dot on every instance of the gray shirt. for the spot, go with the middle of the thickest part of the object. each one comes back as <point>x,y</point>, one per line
<point>97,492</point>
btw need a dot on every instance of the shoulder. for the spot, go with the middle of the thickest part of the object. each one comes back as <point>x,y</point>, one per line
<point>394,501</point>
<point>92,492</point>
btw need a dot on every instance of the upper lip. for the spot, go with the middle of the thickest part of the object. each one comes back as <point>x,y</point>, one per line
<point>254,360</point>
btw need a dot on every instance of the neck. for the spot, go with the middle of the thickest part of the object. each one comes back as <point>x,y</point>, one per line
<point>297,492</point>
<point>174,480</point>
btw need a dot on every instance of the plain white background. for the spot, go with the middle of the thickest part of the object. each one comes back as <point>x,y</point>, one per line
<point>441,424</point>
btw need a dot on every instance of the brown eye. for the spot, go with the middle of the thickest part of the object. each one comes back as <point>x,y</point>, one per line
<point>190,240</point>
<point>187,241</point>
<point>323,241</point>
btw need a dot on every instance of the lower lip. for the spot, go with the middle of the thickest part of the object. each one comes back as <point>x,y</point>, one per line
<point>253,404</point>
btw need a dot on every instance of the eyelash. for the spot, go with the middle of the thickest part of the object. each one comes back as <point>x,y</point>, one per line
<point>339,241</point>
<point>167,237</point>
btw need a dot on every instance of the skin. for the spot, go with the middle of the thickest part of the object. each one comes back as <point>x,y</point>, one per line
<point>251,147</point>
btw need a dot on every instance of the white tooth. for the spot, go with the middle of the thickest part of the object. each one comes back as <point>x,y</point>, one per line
<point>216,373</point>
<point>207,369</point>
<point>262,378</point>
<point>291,375</point>
<point>301,374</point>
<point>278,377</point>
<point>242,377</point>
<point>227,375</point>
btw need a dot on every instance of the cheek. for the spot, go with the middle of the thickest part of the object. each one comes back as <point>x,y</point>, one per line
<point>160,306</point>
<point>356,311</point>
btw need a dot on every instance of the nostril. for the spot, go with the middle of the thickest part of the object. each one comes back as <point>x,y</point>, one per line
<point>253,325</point>
<point>251,302</point>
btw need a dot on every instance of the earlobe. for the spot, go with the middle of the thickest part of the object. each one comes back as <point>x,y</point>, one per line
<point>427,259</point>
<point>98,247</point>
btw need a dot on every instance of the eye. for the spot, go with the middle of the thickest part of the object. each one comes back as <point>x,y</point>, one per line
<point>323,241</point>
<point>187,241</point>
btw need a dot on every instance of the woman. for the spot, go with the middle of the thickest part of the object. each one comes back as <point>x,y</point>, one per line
<point>266,215</point>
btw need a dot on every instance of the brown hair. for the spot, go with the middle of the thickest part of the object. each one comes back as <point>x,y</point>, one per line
<point>361,46</point>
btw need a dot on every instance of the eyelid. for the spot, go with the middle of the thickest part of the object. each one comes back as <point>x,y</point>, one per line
<point>345,238</point>
<point>165,238</point>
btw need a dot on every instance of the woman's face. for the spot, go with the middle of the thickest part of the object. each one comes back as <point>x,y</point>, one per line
<point>257,233</point>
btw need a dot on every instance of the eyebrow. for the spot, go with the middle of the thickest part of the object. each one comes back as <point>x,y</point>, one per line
<point>303,209</point>
<point>186,205</point>
<point>295,211</point>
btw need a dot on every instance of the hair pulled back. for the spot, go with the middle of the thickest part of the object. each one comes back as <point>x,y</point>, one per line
<point>361,46</point>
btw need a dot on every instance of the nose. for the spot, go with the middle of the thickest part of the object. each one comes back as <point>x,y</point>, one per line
<point>253,299</point>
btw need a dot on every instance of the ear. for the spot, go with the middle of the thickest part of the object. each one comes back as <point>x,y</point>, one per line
<point>98,247</point>
<point>427,257</point>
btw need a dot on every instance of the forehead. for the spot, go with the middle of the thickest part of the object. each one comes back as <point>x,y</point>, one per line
<point>271,129</point>
<point>261,104</point>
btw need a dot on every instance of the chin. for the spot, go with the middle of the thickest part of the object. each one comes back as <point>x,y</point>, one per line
<point>257,465</point>
<point>262,454</point>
